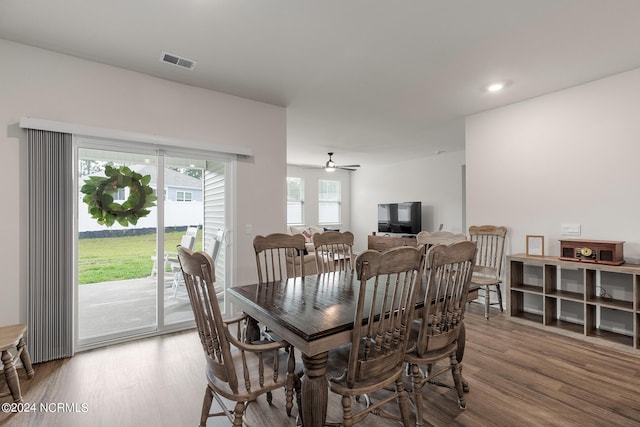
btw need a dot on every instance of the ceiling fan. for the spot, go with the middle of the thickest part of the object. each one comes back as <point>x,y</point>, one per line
<point>330,166</point>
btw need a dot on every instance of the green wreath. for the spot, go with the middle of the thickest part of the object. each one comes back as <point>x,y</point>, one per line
<point>99,192</point>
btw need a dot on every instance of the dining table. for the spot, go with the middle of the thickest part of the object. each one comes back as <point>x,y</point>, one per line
<point>314,314</point>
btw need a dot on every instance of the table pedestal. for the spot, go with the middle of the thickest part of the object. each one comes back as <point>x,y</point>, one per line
<point>315,390</point>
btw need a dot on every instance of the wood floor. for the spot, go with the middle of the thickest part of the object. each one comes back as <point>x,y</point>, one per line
<point>519,376</point>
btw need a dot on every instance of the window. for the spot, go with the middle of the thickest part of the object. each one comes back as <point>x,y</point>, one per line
<point>184,196</point>
<point>294,200</point>
<point>119,195</point>
<point>329,199</point>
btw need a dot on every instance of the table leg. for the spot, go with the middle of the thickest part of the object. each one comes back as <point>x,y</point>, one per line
<point>252,331</point>
<point>25,357</point>
<point>315,391</point>
<point>460,354</point>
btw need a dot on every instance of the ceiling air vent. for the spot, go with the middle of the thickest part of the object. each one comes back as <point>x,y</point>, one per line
<point>180,61</point>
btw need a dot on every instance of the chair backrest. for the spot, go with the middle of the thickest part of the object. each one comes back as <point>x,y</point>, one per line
<point>490,242</point>
<point>448,274</point>
<point>272,253</point>
<point>188,241</point>
<point>333,251</point>
<point>386,301</point>
<point>214,245</point>
<point>192,230</point>
<point>199,277</point>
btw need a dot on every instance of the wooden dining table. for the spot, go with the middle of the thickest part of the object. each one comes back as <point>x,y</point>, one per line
<point>315,315</point>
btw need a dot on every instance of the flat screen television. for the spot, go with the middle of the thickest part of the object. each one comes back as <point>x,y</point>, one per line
<point>403,217</point>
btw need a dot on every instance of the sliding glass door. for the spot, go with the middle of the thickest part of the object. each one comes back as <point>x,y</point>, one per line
<point>127,272</point>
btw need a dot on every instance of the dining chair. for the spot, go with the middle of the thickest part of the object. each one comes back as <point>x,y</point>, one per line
<point>430,239</point>
<point>272,252</point>
<point>374,359</point>
<point>278,257</point>
<point>487,272</point>
<point>236,370</point>
<point>434,336</point>
<point>333,251</point>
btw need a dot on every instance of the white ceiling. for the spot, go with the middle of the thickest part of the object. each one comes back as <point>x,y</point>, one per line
<point>371,80</point>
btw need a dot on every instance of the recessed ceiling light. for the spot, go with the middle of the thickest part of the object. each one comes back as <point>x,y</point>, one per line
<point>495,87</point>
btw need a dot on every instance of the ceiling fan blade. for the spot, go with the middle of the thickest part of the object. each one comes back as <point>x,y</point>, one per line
<point>345,168</point>
<point>310,166</point>
<point>349,166</point>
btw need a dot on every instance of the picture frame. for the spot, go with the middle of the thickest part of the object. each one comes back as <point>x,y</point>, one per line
<point>535,246</point>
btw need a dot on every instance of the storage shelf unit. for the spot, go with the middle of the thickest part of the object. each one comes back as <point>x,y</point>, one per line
<point>593,300</point>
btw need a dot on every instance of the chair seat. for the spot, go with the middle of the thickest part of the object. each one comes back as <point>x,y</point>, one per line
<point>223,388</point>
<point>484,280</point>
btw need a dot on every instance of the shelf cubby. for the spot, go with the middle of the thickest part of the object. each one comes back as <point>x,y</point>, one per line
<point>587,299</point>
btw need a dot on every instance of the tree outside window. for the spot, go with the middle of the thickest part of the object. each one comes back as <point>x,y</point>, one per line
<point>294,200</point>
<point>329,200</point>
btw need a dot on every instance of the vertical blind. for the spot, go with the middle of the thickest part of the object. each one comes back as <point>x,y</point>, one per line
<point>50,241</point>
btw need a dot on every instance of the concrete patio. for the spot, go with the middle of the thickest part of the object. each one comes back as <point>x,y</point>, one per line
<point>114,307</point>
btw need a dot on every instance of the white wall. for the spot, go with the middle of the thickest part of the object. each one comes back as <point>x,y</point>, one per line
<point>42,84</point>
<point>310,205</point>
<point>436,181</point>
<point>568,157</point>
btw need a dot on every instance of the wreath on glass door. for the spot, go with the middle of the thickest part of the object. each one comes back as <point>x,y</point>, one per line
<point>99,192</point>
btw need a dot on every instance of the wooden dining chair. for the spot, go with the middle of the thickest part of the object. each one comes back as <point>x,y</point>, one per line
<point>333,251</point>
<point>235,370</point>
<point>430,239</point>
<point>278,257</point>
<point>375,358</point>
<point>274,251</point>
<point>487,272</point>
<point>435,335</point>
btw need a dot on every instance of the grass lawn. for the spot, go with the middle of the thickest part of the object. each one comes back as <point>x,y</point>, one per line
<point>107,259</point>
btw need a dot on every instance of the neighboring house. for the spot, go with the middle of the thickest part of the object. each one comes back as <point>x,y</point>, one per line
<point>178,187</point>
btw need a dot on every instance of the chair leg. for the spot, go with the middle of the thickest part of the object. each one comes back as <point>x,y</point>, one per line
<point>206,406</point>
<point>289,394</point>
<point>417,393</point>
<point>487,301</point>
<point>291,380</point>
<point>499,296</point>
<point>403,403</point>
<point>298,388</point>
<point>239,412</point>
<point>347,415</point>
<point>456,372</point>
